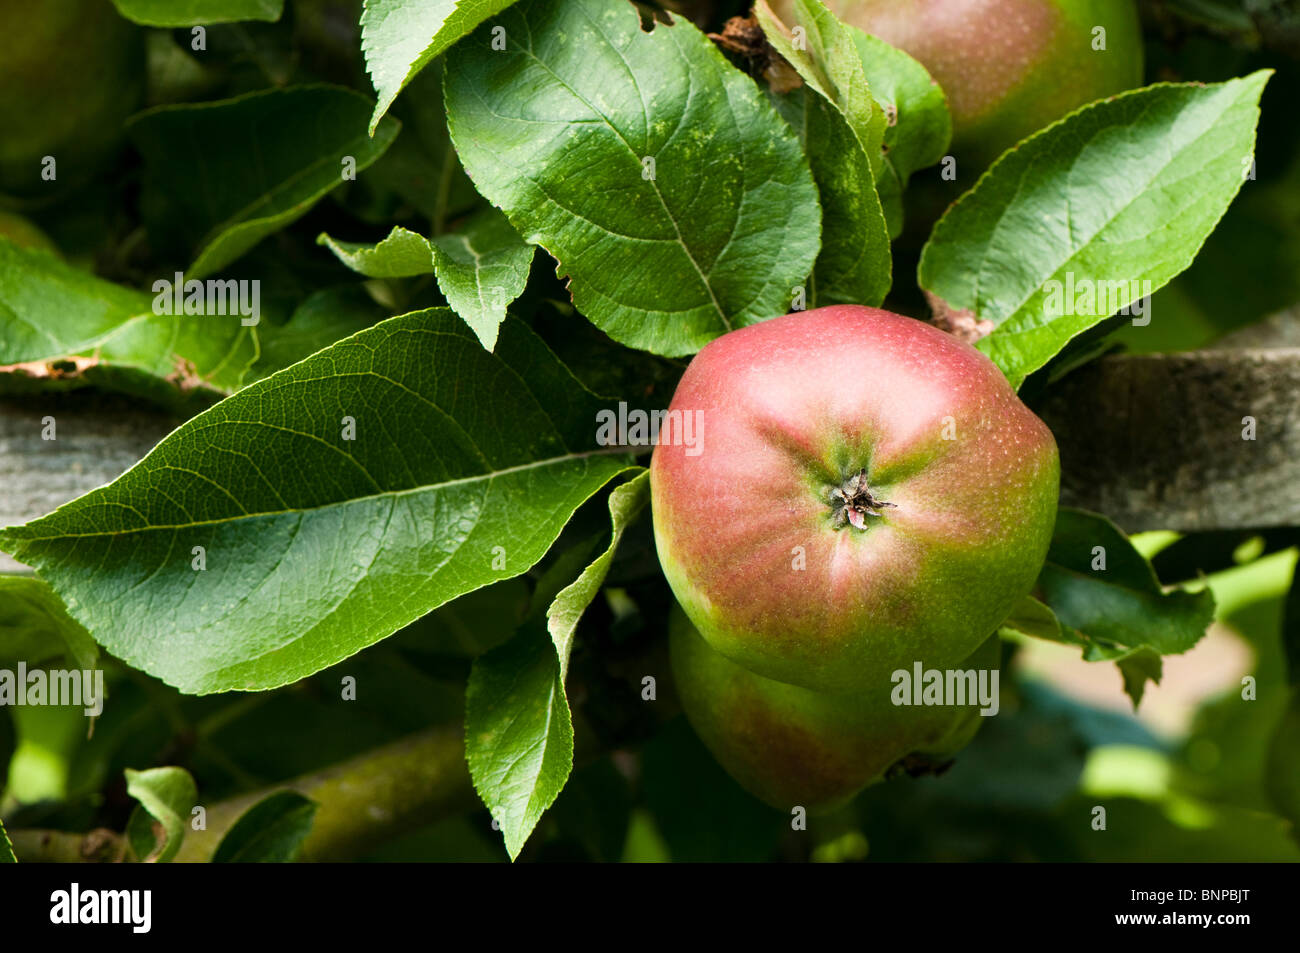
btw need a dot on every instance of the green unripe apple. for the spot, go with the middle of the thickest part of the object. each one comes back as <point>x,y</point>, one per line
<point>791,746</point>
<point>1008,67</point>
<point>71,72</point>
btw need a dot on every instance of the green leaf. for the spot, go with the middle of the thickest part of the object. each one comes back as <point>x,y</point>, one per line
<point>841,130</point>
<point>854,265</point>
<point>35,627</point>
<point>830,64</point>
<point>518,733</point>
<point>1031,617</point>
<point>157,827</point>
<point>1116,198</point>
<point>1100,586</point>
<point>518,729</point>
<point>480,269</point>
<point>919,128</point>
<point>204,188</point>
<point>1291,630</point>
<point>6,848</point>
<point>554,130</point>
<point>52,315</point>
<point>269,832</point>
<point>421,168</point>
<point>595,809</point>
<point>1282,772</point>
<point>625,503</point>
<point>403,254</point>
<point>335,502</point>
<point>174,13</point>
<point>327,316</point>
<point>401,37</point>
<point>48,740</point>
<point>704,815</point>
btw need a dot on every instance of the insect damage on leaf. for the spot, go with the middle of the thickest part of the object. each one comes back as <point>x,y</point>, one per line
<point>56,369</point>
<point>961,322</point>
<point>185,377</point>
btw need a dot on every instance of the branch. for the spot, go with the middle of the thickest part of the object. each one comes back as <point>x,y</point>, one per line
<point>362,803</point>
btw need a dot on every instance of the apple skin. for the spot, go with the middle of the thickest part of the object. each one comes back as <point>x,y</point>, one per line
<point>789,746</point>
<point>1008,67</point>
<point>793,407</point>
<point>71,72</point>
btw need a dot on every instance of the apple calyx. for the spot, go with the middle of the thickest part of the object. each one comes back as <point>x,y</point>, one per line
<point>852,502</point>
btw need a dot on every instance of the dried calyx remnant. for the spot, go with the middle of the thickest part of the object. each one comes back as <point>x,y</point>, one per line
<point>852,502</point>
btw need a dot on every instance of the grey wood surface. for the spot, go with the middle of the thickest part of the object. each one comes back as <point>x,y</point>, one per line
<point>97,438</point>
<point>1156,441</point>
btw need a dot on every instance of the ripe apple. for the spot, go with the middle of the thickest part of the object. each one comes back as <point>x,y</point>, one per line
<point>866,492</point>
<point>71,72</point>
<point>1008,67</point>
<point>791,746</point>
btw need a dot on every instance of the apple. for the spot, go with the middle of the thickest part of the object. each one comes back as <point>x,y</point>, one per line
<point>71,72</point>
<point>864,494</point>
<point>791,746</point>
<point>864,491</point>
<point>1008,67</point>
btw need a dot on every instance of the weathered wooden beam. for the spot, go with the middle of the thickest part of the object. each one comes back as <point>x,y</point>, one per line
<point>1153,441</point>
<point>95,438</point>
<point>1203,440</point>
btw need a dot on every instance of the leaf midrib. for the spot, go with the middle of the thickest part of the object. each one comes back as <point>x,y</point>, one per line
<point>385,494</point>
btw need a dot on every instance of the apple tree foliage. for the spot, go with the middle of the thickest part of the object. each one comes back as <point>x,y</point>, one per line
<point>474,229</point>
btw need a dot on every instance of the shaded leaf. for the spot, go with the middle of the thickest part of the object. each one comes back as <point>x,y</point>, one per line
<point>921,128</point>
<point>327,316</point>
<point>842,130</point>
<point>172,13</point>
<point>1101,587</point>
<point>269,832</point>
<point>1282,773</point>
<point>35,627</point>
<point>703,814</point>
<point>854,264</point>
<point>481,269</point>
<point>203,187</point>
<point>827,60</point>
